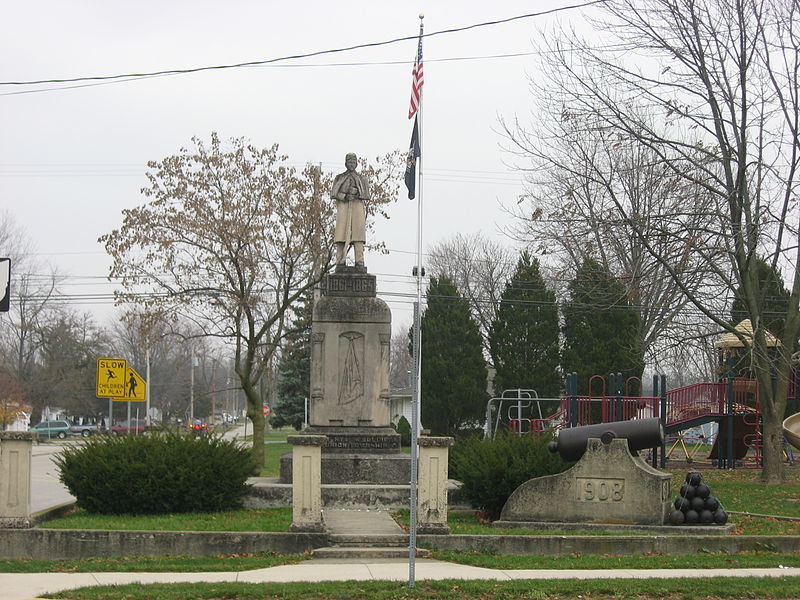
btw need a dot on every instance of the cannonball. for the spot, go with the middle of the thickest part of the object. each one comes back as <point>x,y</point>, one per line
<point>720,517</point>
<point>693,478</point>
<point>697,504</point>
<point>687,491</point>
<point>702,490</point>
<point>712,503</point>
<point>692,516</point>
<point>706,516</point>
<point>676,517</point>
<point>682,504</point>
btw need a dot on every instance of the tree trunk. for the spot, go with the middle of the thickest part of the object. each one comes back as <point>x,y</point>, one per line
<point>773,469</point>
<point>255,413</point>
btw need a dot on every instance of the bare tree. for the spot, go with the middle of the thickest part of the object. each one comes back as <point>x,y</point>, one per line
<point>479,267</point>
<point>230,238</point>
<point>578,174</point>
<point>400,363</point>
<point>33,287</point>
<point>710,89</point>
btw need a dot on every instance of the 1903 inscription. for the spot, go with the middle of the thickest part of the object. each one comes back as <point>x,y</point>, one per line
<point>595,489</point>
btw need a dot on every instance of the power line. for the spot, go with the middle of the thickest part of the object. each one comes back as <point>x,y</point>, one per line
<point>168,72</point>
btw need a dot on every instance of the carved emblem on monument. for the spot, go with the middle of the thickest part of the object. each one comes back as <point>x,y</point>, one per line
<point>351,357</point>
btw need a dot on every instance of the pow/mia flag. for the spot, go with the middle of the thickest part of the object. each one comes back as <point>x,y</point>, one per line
<point>5,284</point>
<point>414,152</point>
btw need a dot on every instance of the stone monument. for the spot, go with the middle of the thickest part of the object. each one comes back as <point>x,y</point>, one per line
<point>608,485</point>
<point>350,335</point>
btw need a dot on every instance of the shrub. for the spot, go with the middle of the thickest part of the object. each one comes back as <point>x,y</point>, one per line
<point>164,472</point>
<point>492,469</point>
<point>403,427</point>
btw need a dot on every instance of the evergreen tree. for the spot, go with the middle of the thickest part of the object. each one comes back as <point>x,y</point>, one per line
<point>453,370</point>
<point>294,371</point>
<point>773,300</point>
<point>523,338</point>
<point>599,330</point>
<point>773,303</point>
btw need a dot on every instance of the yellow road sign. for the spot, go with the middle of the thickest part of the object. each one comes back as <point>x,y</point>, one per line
<point>135,387</point>
<point>111,377</point>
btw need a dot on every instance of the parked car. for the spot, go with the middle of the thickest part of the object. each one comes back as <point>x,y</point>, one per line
<point>53,429</point>
<point>84,430</point>
<point>135,427</point>
<point>200,429</point>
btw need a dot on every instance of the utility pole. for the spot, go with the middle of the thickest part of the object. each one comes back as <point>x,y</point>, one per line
<point>191,388</point>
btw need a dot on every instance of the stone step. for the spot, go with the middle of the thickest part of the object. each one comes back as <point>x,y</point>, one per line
<point>369,539</point>
<point>346,552</point>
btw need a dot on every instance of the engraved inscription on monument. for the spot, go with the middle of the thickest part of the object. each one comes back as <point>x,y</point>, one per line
<point>360,442</point>
<point>350,285</point>
<point>595,489</point>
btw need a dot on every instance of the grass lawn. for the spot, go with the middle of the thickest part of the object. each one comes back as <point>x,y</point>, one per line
<point>274,435</point>
<point>272,458</point>
<point>469,523</point>
<point>741,490</point>
<point>738,490</point>
<point>705,560</point>
<point>153,564</point>
<point>638,589</point>
<point>266,519</point>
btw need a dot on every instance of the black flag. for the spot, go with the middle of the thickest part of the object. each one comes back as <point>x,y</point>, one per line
<point>414,152</point>
<point>5,284</point>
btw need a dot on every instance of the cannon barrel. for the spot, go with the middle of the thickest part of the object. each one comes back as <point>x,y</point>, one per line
<point>640,433</point>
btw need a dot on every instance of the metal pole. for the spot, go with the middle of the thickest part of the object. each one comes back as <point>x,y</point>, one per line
<point>417,352</point>
<point>572,382</point>
<point>147,385</point>
<point>191,388</point>
<point>731,461</point>
<point>663,390</point>
<point>654,457</point>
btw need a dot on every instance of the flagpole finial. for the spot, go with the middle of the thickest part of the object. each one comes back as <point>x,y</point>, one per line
<point>421,16</point>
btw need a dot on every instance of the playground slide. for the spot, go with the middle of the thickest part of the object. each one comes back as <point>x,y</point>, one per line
<point>791,430</point>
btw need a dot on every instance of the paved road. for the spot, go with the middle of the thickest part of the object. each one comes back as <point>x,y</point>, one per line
<point>46,490</point>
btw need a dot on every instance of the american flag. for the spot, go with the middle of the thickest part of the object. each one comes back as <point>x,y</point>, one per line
<point>417,79</point>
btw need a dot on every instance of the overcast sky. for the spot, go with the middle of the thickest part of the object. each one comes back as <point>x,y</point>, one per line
<point>72,156</point>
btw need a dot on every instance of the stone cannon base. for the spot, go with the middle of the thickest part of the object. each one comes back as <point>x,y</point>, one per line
<point>607,485</point>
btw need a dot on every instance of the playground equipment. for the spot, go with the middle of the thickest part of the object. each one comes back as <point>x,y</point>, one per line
<point>640,433</point>
<point>791,430</point>
<point>730,406</point>
<point>522,407</point>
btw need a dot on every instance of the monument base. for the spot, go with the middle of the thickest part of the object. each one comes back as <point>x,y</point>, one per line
<point>363,455</point>
<point>607,485</point>
<point>387,469</point>
<point>354,440</point>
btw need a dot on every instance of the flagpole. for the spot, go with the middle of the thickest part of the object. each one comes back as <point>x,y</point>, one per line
<point>417,347</point>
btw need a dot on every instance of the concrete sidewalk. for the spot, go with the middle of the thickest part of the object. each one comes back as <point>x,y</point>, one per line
<point>360,522</point>
<point>348,522</point>
<point>26,586</point>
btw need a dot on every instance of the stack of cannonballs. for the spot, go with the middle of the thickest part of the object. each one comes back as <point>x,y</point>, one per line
<point>696,504</point>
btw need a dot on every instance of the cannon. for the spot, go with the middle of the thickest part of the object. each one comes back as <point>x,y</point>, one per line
<point>640,433</point>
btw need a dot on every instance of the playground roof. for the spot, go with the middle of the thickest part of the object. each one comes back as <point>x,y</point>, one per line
<point>731,340</point>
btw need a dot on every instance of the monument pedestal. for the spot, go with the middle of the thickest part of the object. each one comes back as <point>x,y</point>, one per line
<point>607,485</point>
<point>349,404</point>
